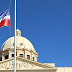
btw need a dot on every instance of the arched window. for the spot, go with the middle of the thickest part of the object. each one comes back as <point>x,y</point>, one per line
<point>0,58</point>
<point>28,57</point>
<point>6,57</point>
<point>21,55</point>
<point>21,44</point>
<point>12,55</point>
<point>33,58</point>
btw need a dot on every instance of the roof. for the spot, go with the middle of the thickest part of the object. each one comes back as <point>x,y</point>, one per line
<point>21,42</point>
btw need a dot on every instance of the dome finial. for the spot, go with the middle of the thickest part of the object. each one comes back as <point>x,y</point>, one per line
<point>18,32</point>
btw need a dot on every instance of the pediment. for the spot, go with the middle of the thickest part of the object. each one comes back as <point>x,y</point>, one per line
<point>22,64</point>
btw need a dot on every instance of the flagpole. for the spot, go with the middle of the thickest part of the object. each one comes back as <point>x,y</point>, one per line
<point>15,42</point>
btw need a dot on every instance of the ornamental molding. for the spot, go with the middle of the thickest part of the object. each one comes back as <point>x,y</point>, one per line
<point>23,64</point>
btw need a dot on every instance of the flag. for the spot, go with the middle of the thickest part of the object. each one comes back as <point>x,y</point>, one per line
<point>5,18</point>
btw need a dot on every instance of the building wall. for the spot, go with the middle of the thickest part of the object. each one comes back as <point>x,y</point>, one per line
<point>60,69</point>
<point>9,53</point>
<point>29,71</point>
<point>64,69</point>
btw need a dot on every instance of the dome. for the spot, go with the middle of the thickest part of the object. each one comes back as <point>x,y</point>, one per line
<point>21,42</point>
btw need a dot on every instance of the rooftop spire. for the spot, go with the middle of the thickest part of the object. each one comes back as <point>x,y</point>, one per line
<point>18,32</point>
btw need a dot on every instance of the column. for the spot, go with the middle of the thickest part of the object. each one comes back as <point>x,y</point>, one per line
<point>10,55</point>
<point>31,55</point>
<point>3,58</point>
<point>24,53</point>
<point>17,53</point>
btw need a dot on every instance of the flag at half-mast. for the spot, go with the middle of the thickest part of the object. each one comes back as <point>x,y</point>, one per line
<point>5,18</point>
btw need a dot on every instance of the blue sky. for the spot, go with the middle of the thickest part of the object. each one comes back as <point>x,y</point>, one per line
<point>47,24</point>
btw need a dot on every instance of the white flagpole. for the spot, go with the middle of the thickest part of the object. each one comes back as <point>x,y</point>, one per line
<point>15,41</point>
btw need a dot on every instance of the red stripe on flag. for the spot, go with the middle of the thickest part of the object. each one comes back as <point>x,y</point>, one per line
<point>5,22</point>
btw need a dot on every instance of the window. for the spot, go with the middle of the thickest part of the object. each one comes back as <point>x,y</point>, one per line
<point>12,55</point>
<point>6,57</point>
<point>21,55</point>
<point>13,44</point>
<point>28,56</point>
<point>17,34</point>
<point>21,44</point>
<point>16,53</point>
<point>0,58</point>
<point>33,58</point>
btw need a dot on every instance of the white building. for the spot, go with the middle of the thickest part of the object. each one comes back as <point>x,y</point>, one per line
<point>26,57</point>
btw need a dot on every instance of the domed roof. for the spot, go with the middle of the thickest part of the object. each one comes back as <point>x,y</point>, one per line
<point>21,42</point>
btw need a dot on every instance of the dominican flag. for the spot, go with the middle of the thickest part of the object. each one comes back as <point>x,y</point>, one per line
<point>5,18</point>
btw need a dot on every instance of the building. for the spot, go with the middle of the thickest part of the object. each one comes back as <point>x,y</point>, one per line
<point>26,57</point>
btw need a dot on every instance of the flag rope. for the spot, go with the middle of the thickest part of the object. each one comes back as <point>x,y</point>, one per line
<point>10,4</point>
<point>10,21</point>
<point>10,25</point>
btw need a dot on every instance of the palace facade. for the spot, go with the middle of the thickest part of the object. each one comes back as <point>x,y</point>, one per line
<point>26,57</point>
